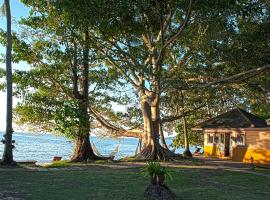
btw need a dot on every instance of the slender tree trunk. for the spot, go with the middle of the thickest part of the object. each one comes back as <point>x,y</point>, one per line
<point>186,152</point>
<point>162,137</point>
<point>8,154</point>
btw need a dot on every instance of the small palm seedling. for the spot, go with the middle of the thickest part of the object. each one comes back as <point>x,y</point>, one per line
<point>156,172</point>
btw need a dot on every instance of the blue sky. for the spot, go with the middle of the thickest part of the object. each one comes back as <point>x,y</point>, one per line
<point>18,10</point>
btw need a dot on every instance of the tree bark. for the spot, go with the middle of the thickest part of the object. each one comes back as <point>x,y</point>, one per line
<point>150,107</point>
<point>186,152</point>
<point>162,137</point>
<point>83,150</point>
<point>8,154</point>
<point>152,150</point>
<point>155,110</point>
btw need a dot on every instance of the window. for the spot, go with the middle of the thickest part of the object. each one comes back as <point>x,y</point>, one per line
<point>240,139</point>
<point>222,139</point>
<point>210,138</point>
<point>216,139</point>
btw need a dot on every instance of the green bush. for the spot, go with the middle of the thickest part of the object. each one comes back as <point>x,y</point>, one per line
<point>58,164</point>
<point>155,169</point>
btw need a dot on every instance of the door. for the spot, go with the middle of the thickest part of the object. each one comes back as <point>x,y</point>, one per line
<point>227,144</point>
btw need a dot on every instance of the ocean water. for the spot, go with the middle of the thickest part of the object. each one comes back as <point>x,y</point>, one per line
<point>43,147</point>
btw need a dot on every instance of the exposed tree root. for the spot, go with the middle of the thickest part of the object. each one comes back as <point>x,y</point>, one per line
<point>90,157</point>
<point>187,153</point>
<point>3,163</point>
<point>83,151</point>
<point>157,153</point>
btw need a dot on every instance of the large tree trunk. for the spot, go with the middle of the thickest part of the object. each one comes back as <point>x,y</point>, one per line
<point>83,150</point>
<point>155,111</point>
<point>150,107</point>
<point>152,150</point>
<point>8,154</point>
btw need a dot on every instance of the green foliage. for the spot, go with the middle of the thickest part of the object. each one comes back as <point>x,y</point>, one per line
<point>3,10</point>
<point>222,38</point>
<point>155,169</point>
<point>59,164</point>
<point>2,75</point>
<point>68,118</point>
<point>50,43</point>
<point>195,138</point>
<point>101,162</point>
<point>260,109</point>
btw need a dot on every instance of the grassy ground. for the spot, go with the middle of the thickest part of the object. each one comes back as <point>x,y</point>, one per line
<point>102,183</point>
<point>262,170</point>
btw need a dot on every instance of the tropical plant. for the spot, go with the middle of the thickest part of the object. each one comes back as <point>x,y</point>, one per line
<point>154,169</point>
<point>157,46</point>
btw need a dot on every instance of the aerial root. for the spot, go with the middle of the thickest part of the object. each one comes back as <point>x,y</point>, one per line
<point>157,153</point>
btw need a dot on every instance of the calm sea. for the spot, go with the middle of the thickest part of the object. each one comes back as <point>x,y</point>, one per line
<point>43,147</point>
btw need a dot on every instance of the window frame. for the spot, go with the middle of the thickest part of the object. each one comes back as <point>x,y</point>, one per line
<point>244,139</point>
<point>208,137</point>
<point>222,138</point>
<point>215,138</point>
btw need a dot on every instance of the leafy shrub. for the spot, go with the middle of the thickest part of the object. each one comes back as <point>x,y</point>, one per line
<point>155,169</point>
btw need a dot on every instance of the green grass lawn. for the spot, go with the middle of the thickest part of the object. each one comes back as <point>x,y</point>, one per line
<point>100,183</point>
<point>262,170</point>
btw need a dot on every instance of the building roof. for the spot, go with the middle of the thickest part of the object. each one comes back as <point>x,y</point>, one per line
<point>236,118</point>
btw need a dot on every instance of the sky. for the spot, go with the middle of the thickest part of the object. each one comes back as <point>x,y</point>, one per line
<point>18,10</point>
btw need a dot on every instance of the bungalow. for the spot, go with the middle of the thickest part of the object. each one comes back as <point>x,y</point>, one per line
<point>238,135</point>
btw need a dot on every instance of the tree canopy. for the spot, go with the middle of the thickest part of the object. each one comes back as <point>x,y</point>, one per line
<point>88,56</point>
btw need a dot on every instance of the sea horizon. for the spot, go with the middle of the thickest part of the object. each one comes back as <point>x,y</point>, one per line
<point>42,147</point>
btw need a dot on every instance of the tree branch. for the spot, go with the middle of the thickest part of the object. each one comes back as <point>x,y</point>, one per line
<point>166,22</point>
<point>115,131</point>
<point>125,54</point>
<point>173,118</point>
<point>103,121</point>
<point>174,36</point>
<point>74,69</point>
<point>233,77</point>
<point>117,66</point>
